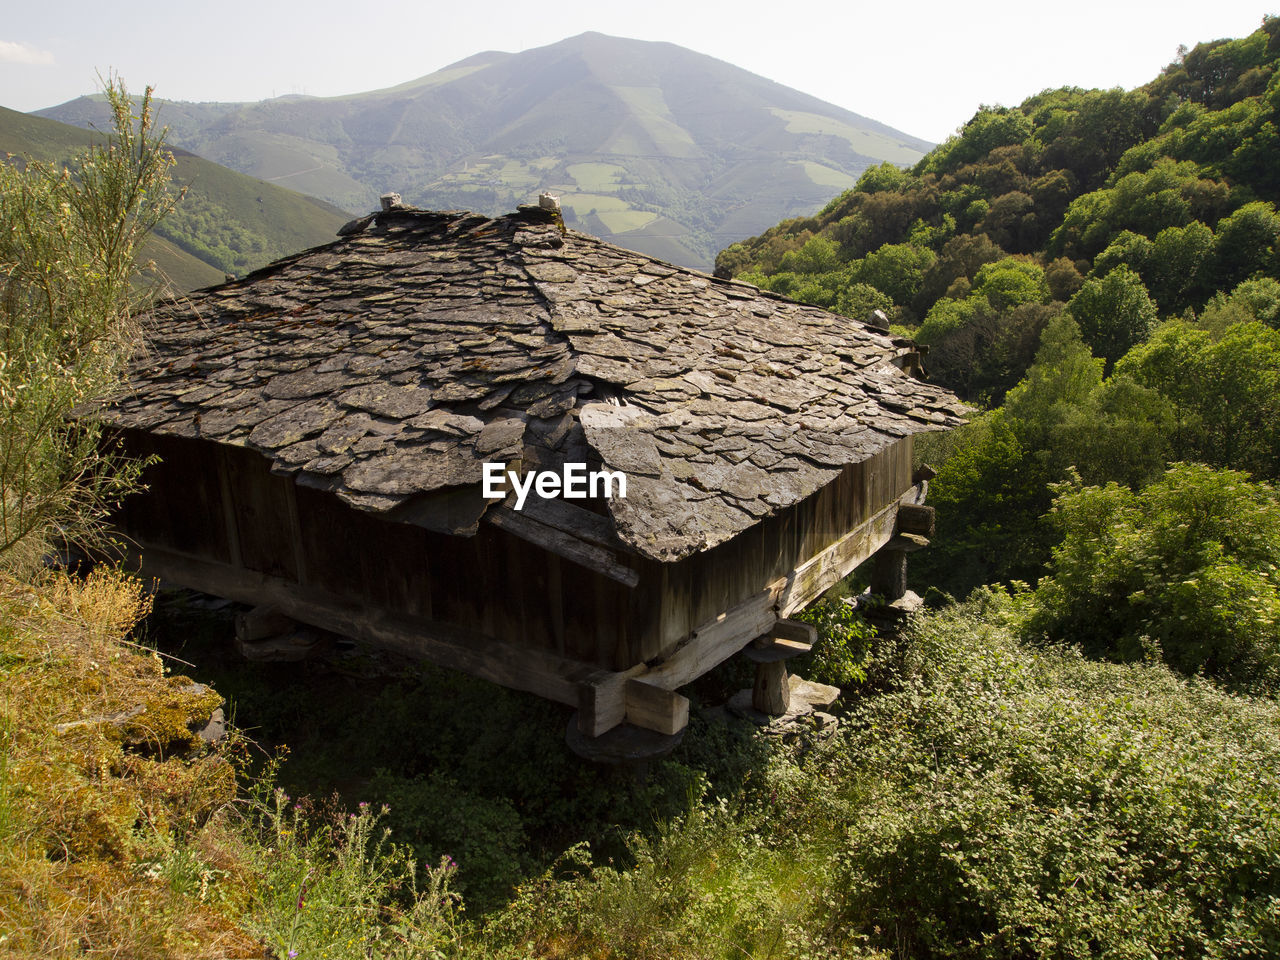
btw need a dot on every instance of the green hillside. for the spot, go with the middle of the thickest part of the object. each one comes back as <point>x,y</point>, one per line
<point>227,223</point>
<point>1101,269</point>
<point>650,145</point>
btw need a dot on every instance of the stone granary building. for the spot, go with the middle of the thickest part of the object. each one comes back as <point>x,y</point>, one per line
<point>324,424</point>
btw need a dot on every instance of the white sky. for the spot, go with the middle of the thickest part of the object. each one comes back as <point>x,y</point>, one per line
<point>922,66</point>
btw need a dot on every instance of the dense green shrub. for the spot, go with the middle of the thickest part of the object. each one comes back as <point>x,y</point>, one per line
<point>1185,569</point>
<point>1006,803</point>
<point>995,801</point>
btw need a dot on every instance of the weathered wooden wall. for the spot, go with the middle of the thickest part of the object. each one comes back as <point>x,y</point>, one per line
<point>220,508</point>
<point>697,589</point>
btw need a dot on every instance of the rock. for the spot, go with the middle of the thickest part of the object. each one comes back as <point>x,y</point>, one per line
<point>216,728</point>
<point>819,696</point>
<point>623,744</point>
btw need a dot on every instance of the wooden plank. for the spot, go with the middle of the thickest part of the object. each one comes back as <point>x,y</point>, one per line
<point>295,532</point>
<point>594,528</point>
<point>818,574</point>
<point>916,493</point>
<point>716,640</point>
<point>654,708</point>
<point>228,510</point>
<point>562,544</point>
<point>772,651</point>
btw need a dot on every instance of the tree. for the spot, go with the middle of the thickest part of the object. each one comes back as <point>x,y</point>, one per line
<point>1248,245</point>
<point>896,269</point>
<point>1114,312</point>
<point>1223,392</point>
<point>1184,569</point>
<point>68,298</point>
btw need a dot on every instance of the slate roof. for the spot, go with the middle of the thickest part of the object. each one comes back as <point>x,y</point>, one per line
<point>398,359</point>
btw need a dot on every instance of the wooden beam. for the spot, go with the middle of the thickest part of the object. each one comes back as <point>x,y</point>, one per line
<point>654,708</point>
<point>594,528</point>
<point>916,518</point>
<point>820,573</point>
<point>520,668</point>
<point>715,641</point>
<point>795,630</point>
<point>562,544</point>
<point>917,492</point>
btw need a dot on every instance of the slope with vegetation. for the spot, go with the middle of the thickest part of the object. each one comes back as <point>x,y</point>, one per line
<point>227,223</point>
<point>1099,268</point>
<point>650,145</point>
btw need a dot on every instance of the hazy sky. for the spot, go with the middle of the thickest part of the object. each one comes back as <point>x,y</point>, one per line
<point>921,66</point>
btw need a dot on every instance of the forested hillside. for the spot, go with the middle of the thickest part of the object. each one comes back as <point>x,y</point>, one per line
<point>1097,269</point>
<point>226,223</point>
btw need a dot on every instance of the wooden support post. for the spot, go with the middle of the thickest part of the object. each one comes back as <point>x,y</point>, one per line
<point>916,518</point>
<point>772,691</point>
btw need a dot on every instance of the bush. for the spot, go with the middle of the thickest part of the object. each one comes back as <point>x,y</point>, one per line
<point>995,801</point>
<point>67,301</point>
<point>1185,569</point>
<point>1009,803</point>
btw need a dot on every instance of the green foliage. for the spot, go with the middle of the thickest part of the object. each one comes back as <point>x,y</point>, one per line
<point>1248,245</point>
<point>1170,194</point>
<point>1011,282</point>
<point>1252,300</point>
<point>1175,181</point>
<point>1184,570</point>
<point>67,303</point>
<point>896,270</point>
<point>993,800</point>
<point>332,885</point>
<point>1223,392</point>
<point>204,227</point>
<point>885,176</point>
<point>448,821</point>
<point>993,476</point>
<point>1006,803</point>
<point>989,128</point>
<point>818,255</point>
<point>843,648</point>
<point>1114,312</point>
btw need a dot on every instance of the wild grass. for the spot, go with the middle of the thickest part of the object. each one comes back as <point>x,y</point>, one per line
<point>122,833</point>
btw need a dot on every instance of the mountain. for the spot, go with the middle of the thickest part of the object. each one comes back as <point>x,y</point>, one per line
<point>227,222</point>
<point>650,145</point>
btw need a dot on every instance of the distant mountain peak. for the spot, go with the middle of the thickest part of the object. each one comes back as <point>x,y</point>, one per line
<point>648,144</point>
